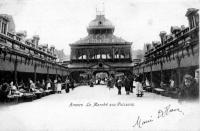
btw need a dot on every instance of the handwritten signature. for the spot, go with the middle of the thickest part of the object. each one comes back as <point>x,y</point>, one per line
<point>160,114</point>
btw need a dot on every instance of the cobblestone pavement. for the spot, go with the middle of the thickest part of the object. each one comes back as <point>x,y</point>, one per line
<point>98,108</point>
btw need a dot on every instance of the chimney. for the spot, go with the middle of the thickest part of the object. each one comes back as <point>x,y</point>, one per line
<point>182,27</point>
<point>36,39</point>
<point>193,17</point>
<point>45,47</point>
<point>163,36</point>
<point>22,35</point>
<point>175,29</point>
<point>4,23</point>
<point>154,43</point>
<point>52,49</point>
<point>148,47</point>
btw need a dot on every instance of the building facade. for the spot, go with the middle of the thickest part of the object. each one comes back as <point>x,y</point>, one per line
<point>100,51</point>
<point>23,59</point>
<point>176,55</point>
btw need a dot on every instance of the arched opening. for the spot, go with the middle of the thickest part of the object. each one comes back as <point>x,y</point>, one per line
<point>100,77</point>
<point>79,76</point>
<point>82,57</point>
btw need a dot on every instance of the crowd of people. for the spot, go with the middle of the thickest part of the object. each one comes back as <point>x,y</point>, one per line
<point>31,90</point>
<point>187,90</point>
<point>128,82</point>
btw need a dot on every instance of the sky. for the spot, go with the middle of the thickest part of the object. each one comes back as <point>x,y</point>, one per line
<point>62,22</point>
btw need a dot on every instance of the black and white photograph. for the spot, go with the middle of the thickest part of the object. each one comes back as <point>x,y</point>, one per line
<point>99,65</point>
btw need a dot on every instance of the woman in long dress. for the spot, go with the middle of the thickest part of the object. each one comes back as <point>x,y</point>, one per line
<point>55,85</point>
<point>59,87</point>
<point>139,87</point>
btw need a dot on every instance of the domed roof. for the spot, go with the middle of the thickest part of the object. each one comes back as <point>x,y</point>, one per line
<point>100,22</point>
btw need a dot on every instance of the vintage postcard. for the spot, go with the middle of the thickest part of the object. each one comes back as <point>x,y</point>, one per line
<point>99,65</point>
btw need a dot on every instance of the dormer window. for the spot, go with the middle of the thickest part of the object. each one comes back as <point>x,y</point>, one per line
<point>3,27</point>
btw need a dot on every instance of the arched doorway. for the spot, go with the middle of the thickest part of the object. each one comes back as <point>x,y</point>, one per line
<point>79,76</point>
<point>100,77</point>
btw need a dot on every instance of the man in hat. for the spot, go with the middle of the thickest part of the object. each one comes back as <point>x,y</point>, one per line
<point>189,89</point>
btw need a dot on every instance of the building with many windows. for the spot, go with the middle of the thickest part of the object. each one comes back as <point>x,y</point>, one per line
<point>100,50</point>
<point>176,55</point>
<point>22,58</point>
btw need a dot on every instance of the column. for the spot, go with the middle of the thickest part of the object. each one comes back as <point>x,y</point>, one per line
<point>119,54</point>
<point>15,70</point>
<point>100,53</point>
<point>113,51</point>
<point>130,54</point>
<point>35,73</point>
<point>71,54</point>
<point>88,54</point>
<point>179,71</point>
<point>151,73</point>
<point>161,72</point>
<point>56,72</point>
<point>143,74</point>
<point>47,71</point>
<point>62,73</point>
<point>82,54</point>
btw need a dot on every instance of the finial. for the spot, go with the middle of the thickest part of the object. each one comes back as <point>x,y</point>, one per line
<point>100,8</point>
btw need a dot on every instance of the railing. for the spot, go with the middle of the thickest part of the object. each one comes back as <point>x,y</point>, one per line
<point>10,35</point>
<point>170,41</point>
<point>170,47</point>
<point>102,60</point>
<point>16,40</point>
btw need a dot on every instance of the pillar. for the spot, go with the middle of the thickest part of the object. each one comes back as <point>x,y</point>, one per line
<point>56,73</point>
<point>72,53</point>
<point>113,51</point>
<point>151,73</point>
<point>47,72</point>
<point>62,73</point>
<point>35,73</point>
<point>143,74</point>
<point>119,54</point>
<point>161,72</point>
<point>88,55</point>
<point>15,70</point>
<point>179,71</point>
<point>100,54</point>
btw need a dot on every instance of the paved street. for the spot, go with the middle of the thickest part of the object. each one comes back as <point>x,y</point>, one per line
<point>97,108</point>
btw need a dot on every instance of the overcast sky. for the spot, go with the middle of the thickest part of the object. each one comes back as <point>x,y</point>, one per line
<point>60,22</point>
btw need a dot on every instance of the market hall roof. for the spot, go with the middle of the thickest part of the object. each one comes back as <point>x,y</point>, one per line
<point>100,31</point>
<point>100,22</point>
<point>105,39</point>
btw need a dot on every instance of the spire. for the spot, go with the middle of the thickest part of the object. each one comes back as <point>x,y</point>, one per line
<point>100,8</point>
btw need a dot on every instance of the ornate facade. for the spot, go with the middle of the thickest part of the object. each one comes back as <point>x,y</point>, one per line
<point>101,50</point>
<point>22,58</point>
<point>173,57</point>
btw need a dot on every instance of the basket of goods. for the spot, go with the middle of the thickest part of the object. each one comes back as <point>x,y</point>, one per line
<point>28,96</point>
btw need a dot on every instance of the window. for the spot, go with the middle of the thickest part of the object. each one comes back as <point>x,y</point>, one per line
<point>3,27</point>
<point>100,22</point>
